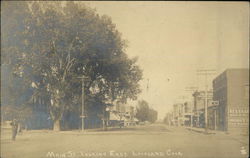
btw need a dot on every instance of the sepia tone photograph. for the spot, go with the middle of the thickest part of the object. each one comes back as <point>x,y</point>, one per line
<point>124,79</point>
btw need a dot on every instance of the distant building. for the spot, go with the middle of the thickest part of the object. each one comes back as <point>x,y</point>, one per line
<point>178,114</point>
<point>188,113</point>
<point>231,89</point>
<point>130,116</point>
<point>199,106</point>
<point>199,99</point>
<point>169,120</point>
<point>124,114</point>
<point>188,107</point>
<point>212,114</point>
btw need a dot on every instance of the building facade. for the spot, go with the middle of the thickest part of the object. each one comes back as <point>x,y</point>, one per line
<point>212,119</point>
<point>188,113</point>
<point>231,89</point>
<point>121,113</point>
<point>199,106</point>
<point>178,114</point>
<point>169,119</point>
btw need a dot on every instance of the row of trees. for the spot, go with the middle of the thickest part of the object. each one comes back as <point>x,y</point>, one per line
<point>145,113</point>
<point>47,46</point>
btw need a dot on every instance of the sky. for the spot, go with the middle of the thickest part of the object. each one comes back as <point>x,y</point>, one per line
<point>175,39</point>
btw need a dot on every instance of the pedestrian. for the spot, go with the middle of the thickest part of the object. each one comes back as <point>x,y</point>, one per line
<point>14,125</point>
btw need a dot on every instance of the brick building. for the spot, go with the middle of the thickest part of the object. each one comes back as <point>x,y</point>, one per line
<point>231,89</point>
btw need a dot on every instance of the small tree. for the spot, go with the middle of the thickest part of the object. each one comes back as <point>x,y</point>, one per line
<point>152,115</point>
<point>144,113</point>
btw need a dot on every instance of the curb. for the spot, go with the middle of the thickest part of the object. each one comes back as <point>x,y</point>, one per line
<point>200,131</point>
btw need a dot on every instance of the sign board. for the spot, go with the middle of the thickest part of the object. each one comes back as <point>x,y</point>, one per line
<point>238,112</point>
<point>203,97</point>
<point>215,102</point>
<point>238,116</point>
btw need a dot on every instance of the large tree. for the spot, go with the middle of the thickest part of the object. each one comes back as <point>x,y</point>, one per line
<point>58,42</point>
<point>15,91</point>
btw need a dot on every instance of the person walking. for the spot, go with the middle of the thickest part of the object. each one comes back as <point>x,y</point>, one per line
<point>14,125</point>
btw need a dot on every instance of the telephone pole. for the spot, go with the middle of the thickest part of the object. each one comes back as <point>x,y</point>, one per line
<point>205,73</point>
<point>83,110</point>
<point>192,90</point>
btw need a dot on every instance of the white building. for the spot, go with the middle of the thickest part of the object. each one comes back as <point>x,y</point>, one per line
<point>121,113</point>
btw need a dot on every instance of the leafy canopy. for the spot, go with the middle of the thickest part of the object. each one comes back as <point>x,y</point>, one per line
<point>51,44</point>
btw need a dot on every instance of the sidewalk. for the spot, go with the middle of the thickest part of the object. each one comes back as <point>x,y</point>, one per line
<point>202,130</point>
<point>242,138</point>
<point>109,130</point>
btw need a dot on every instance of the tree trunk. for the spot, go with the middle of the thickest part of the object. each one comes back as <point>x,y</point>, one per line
<point>103,124</point>
<point>57,125</point>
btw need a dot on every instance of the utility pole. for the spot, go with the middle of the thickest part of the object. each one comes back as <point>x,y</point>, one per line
<point>83,110</point>
<point>181,109</point>
<point>206,72</point>
<point>191,89</point>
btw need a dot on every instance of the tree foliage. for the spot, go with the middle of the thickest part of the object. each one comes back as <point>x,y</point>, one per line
<point>144,113</point>
<point>51,44</point>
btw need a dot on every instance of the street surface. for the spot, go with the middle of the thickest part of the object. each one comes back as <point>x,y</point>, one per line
<point>156,140</point>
